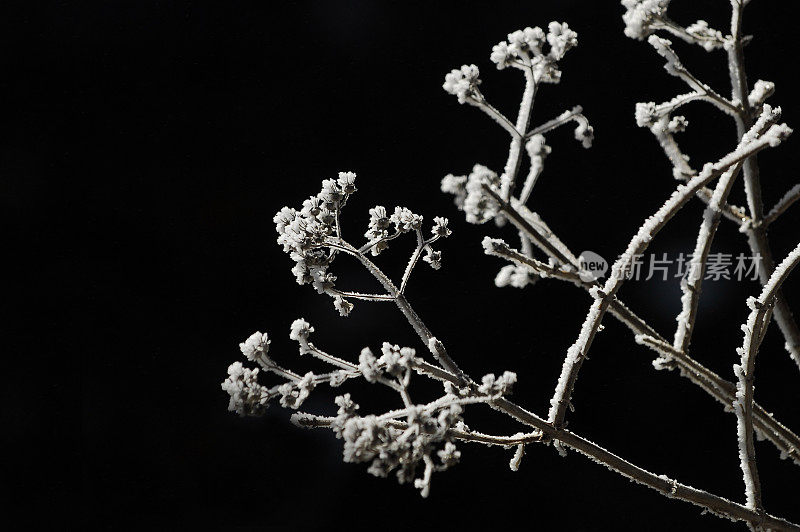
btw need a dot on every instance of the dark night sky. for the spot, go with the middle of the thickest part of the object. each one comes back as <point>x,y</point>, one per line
<point>145,148</point>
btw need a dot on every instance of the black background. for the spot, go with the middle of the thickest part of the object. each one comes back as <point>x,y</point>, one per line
<point>146,147</point>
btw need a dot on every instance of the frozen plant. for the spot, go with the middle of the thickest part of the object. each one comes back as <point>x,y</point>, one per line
<point>417,439</point>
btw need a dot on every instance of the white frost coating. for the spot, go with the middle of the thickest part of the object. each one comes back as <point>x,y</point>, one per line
<point>577,351</point>
<point>761,91</point>
<point>792,195</point>
<point>691,284</point>
<point>513,275</point>
<point>700,90</point>
<point>457,186</point>
<point>754,330</point>
<point>537,151</point>
<point>256,346</point>
<point>644,17</point>
<point>463,82</point>
<point>498,386</point>
<point>525,50</point>
<point>516,460</point>
<point>478,207</point>
<point>641,15</point>
<point>418,436</point>
<point>584,133</point>
<point>300,330</point>
<point>708,38</point>
<point>247,396</point>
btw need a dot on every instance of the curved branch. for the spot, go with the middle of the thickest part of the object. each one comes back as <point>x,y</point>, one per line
<point>577,352</point>
<point>705,236</point>
<point>754,331</point>
<point>792,195</point>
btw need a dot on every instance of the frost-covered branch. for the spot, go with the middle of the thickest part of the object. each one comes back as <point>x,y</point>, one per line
<point>700,90</point>
<point>691,285</point>
<point>757,237</point>
<point>754,330</point>
<point>413,440</point>
<point>524,50</point>
<point>722,390</point>
<point>792,195</point>
<point>661,483</point>
<point>573,115</point>
<point>761,136</point>
<point>645,17</point>
<point>537,232</point>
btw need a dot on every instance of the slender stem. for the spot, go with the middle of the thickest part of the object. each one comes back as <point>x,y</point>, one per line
<point>757,235</point>
<point>481,103</point>
<point>660,483</point>
<point>330,359</point>
<point>680,32</point>
<point>366,247</point>
<point>523,119</point>
<point>676,68</point>
<point>435,347</point>
<point>720,389</point>
<point>313,421</point>
<point>364,297</point>
<point>755,328</point>
<point>412,261</point>
<point>792,195</point>
<point>577,352</point>
<point>576,114</point>
<point>535,234</point>
<point>705,236</point>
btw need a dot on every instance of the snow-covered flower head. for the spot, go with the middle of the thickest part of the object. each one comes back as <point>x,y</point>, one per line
<point>708,38</point>
<point>501,385</point>
<point>524,49</point>
<point>247,396</point>
<point>646,114</point>
<point>513,275</point>
<point>331,193</point>
<point>561,39</point>
<point>347,182</point>
<point>283,218</point>
<point>396,359</point>
<point>368,365</point>
<point>311,206</point>
<point>522,46</point>
<point>432,257</point>
<point>373,439</point>
<point>293,394</point>
<point>457,186</point>
<point>300,330</point>
<point>469,194</point>
<point>303,234</point>
<point>342,305</point>
<point>379,224</point>
<point>640,16</point>
<point>440,227</point>
<point>463,83</point>
<point>256,346</point>
<point>404,220</point>
<point>478,206</point>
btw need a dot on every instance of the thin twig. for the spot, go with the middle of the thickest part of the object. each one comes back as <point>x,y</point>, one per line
<point>754,331</point>
<point>577,352</point>
<point>720,389</point>
<point>792,195</point>
<point>705,236</point>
